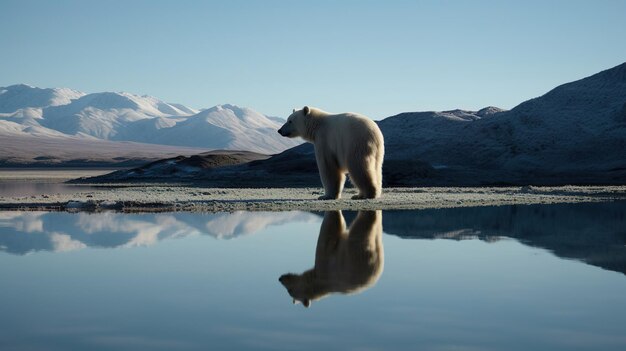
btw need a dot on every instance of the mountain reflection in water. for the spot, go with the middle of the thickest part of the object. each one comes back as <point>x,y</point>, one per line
<point>594,233</point>
<point>26,232</point>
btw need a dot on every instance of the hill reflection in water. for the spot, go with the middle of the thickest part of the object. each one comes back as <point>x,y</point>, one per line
<point>489,278</point>
<point>594,233</point>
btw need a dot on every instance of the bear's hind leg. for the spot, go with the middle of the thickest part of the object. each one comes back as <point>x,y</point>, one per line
<point>364,175</point>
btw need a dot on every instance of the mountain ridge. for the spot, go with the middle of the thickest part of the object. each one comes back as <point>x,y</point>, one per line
<point>122,116</point>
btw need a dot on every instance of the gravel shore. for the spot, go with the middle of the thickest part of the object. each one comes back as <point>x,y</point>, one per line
<point>162,198</point>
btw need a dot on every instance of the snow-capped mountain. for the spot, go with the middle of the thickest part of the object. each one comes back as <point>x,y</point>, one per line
<point>22,96</point>
<point>106,115</point>
<point>227,127</point>
<point>68,114</point>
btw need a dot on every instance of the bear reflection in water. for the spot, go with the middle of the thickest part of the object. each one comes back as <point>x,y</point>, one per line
<point>346,260</point>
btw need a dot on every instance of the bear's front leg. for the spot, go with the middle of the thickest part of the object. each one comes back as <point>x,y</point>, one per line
<point>333,185</point>
<point>332,178</point>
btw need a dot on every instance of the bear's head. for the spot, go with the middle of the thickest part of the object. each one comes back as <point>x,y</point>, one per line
<point>296,123</point>
<point>302,287</point>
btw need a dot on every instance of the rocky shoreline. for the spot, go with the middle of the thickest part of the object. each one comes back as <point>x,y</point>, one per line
<point>169,198</point>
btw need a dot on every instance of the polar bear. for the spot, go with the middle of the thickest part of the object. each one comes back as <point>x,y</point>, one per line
<point>344,143</point>
<point>346,261</point>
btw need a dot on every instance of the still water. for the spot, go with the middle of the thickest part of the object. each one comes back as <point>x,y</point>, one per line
<point>42,181</point>
<point>541,277</point>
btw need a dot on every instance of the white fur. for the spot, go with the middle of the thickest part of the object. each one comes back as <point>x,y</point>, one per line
<point>346,260</point>
<point>345,143</point>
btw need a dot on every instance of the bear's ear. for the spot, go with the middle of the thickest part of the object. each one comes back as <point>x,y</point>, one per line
<point>306,303</point>
<point>306,110</point>
<point>294,110</point>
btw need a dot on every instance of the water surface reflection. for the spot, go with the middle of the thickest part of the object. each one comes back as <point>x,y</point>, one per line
<point>490,278</point>
<point>594,233</point>
<point>347,260</point>
<point>27,232</point>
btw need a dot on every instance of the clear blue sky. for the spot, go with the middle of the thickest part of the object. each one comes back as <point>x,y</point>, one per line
<point>374,57</point>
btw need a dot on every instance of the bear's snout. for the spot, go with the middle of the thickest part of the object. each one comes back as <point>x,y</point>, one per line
<point>285,278</point>
<point>280,131</point>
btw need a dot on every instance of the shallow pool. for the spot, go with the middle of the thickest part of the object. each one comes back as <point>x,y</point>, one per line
<point>40,181</point>
<point>541,277</point>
